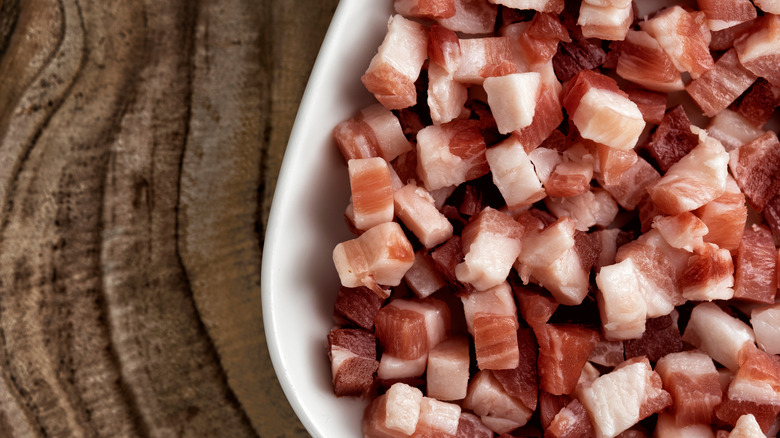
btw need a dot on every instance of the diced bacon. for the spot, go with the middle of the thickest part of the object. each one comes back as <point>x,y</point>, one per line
<point>724,39</point>
<point>594,207</point>
<point>759,103</point>
<point>732,129</point>
<point>554,6</point>
<point>372,192</point>
<point>608,22</point>
<point>563,351</point>
<point>380,256</point>
<point>422,278</point>
<point>446,97</point>
<point>425,8</point>
<point>673,139</point>
<point>548,114</point>
<point>497,301</point>
<point>619,399</point>
<point>759,50</point>
<point>437,418</point>
<point>549,406</point>
<point>766,325</point>
<point>448,369</point>
<point>756,167</point>
<point>394,69</point>
<point>755,276</point>
<point>621,303</point>
<point>601,112</point>
<point>512,99</point>
<point>746,426</point>
<point>514,174</point>
<point>470,426</point>
<point>488,399</point>
<point>719,86</point>
<point>572,176</point>
<point>373,132</point>
<point>491,243</point>
<point>472,17</point>
<point>693,382</point>
<point>698,178</point>
<point>446,257</point>
<point>642,60</point>
<point>684,36</point>
<point>401,331</point>
<point>632,184</point>
<point>539,42</point>
<point>723,14</point>
<point>536,307</point>
<point>570,422</point>
<point>484,57</point>
<point>495,341</point>
<point>725,217</point>
<point>652,105</point>
<point>581,54</point>
<point>357,306</point>
<point>660,338</point>
<point>394,368</point>
<point>718,334</point>
<point>612,163</point>
<point>522,382</point>
<point>415,207</point>
<point>609,242</point>
<point>393,414</point>
<point>709,275</point>
<point>544,160</point>
<point>450,154</point>
<point>667,427</point>
<point>607,353</point>
<point>352,354</point>
<point>683,231</point>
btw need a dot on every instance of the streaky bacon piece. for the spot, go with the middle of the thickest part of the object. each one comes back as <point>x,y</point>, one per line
<point>484,57</point>
<point>494,301</point>
<point>446,97</point>
<point>380,256</point>
<point>622,305</point>
<point>647,211</point>
<point>401,331</point>
<point>765,321</point>
<point>352,354</point>
<point>572,176</point>
<point>725,217</point>
<point>732,129</point>
<point>472,17</point>
<point>522,382</point>
<point>661,337</point>
<point>372,132</point>
<point>536,305</point>
<point>448,369</point>
<point>571,422</point>
<point>357,306</point>
<point>652,105</point>
<point>666,426</point>
<point>423,278</point>
<point>594,207</point>
<point>755,277</point>
<point>545,160</point>
<point>724,39</point>
<point>756,168</point>
<point>547,116</point>
<point>746,426</point>
<point>759,50</point>
<point>632,184</point>
<point>394,369</point>
<point>601,111</point>
<point>450,154</point>
<point>393,414</point>
<point>709,275</point>
<point>607,353</point>
<point>514,174</point>
<point>498,410</point>
<point>673,139</point>
<point>553,6</point>
<point>394,69</point>
<point>549,406</point>
<point>437,419</point>
<point>415,207</point>
<point>512,99</point>
<point>755,389</point>
<point>684,36</point>
<point>425,8</point>
<point>445,258</point>
<point>759,102</point>
<point>724,14</point>
<point>495,342</point>
<point>539,42</point>
<point>470,426</point>
<point>696,179</point>
<point>719,86</point>
<point>579,55</point>
<point>612,163</point>
<point>563,351</point>
<point>716,333</point>
<point>617,400</point>
<point>683,231</point>
<point>372,192</point>
<point>607,22</point>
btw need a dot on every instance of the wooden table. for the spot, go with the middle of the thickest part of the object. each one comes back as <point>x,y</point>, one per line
<point>140,142</point>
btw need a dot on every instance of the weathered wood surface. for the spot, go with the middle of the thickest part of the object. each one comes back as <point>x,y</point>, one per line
<point>139,145</point>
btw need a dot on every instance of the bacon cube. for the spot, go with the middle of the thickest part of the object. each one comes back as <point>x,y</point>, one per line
<point>401,331</point>
<point>497,301</point>
<point>446,97</point>
<point>746,426</point>
<point>372,132</point>
<point>512,99</point>
<point>651,104</point>
<point>358,306</point>
<point>570,422</point>
<point>724,14</point>
<point>709,275</point>
<point>673,139</point>
<point>732,129</point>
<point>498,410</point>
<point>719,86</point>
<point>514,174</point>
<point>766,325</point>
<point>725,217</point>
<point>393,414</point>
<point>759,50</point>
<point>724,39</point>
<point>594,207</point>
<point>352,354</point>
<point>393,368</point>
<point>756,167</point>
<point>698,178</point>
<point>607,22</point>
<point>572,176</point>
<point>563,351</point>
<point>684,36</point>
<point>617,400</point>
<point>522,382</point>
<point>683,231</point>
<point>472,17</point>
<point>470,426</point>
<point>437,418</point>
<point>394,69</point>
<point>536,306</point>
<point>716,333</point>
<point>554,6</point>
<point>423,278</point>
<point>448,369</point>
<point>693,382</point>
<point>579,55</point>
<point>548,114</point>
<point>660,338</point>
<point>632,184</point>
<point>666,426</point>
<point>759,102</point>
<point>450,154</point>
<point>601,111</point>
<point>607,353</point>
<point>756,266</point>
<point>621,303</point>
<point>425,8</point>
<point>484,57</point>
<point>416,209</point>
<point>495,341</point>
<point>372,192</point>
<point>539,41</point>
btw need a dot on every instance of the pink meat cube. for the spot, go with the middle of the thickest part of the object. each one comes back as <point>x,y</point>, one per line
<point>401,331</point>
<point>571,422</point>
<point>563,351</point>
<point>495,342</point>
<point>497,301</point>
<point>594,207</point>
<point>423,278</point>
<point>425,8</point>
<point>514,174</point>
<point>756,167</point>
<point>522,382</point>
<point>393,414</point>
<point>724,39</point>
<point>373,132</point>
<point>446,97</point>
<point>572,176</point>
<point>684,36</point>
<point>719,86</point>
<point>512,99</point>
<point>352,354</point>
<point>666,426</point>
<point>661,337</point>
<point>716,333</point>
<point>581,54</point>
<point>372,192</point>
<point>673,139</point>
<point>437,419</point>
<point>498,410</point>
<point>548,114</point>
<point>732,129</point>
<point>759,50</point>
<point>651,104</point>
<point>621,303</point>
<point>759,102</point>
<point>709,275</point>
<point>394,69</point>
<point>445,258</point>
<point>607,353</point>
<point>683,231</point>
<point>484,57</point>
<point>613,163</point>
<point>693,382</point>
<point>472,17</point>
<point>766,325</point>
<point>756,266</point>
<point>722,14</point>
<point>415,207</point>
<point>746,426</point>
<point>395,369</point>
<point>450,154</point>
<point>607,22</point>
<point>632,184</point>
<point>448,369</point>
<point>725,217</point>
<point>539,41</point>
<point>357,306</point>
<point>470,426</point>
<point>536,305</point>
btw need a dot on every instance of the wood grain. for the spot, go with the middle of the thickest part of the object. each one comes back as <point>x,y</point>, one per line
<point>140,141</point>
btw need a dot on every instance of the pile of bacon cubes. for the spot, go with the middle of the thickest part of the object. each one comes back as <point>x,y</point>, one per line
<point>546,244</point>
